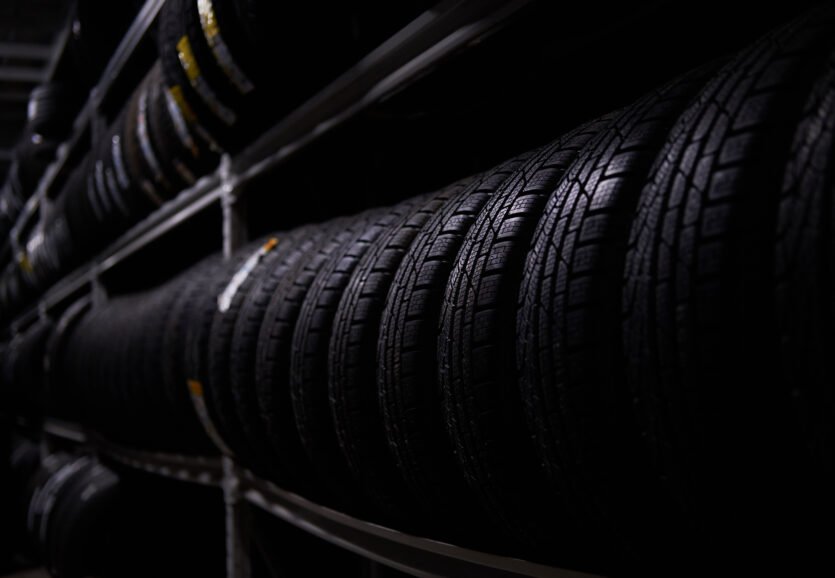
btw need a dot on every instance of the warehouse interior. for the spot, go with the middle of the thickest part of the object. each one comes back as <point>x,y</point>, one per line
<point>457,288</point>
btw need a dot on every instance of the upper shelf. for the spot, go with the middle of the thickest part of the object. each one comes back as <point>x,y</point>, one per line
<point>127,47</point>
<point>412,52</point>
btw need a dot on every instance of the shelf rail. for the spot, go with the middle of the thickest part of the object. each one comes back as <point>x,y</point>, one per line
<point>414,555</point>
<point>125,50</point>
<point>425,43</point>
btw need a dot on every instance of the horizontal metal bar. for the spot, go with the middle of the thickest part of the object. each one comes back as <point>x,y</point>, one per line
<point>206,470</point>
<point>23,74</point>
<point>197,470</point>
<point>140,26</point>
<point>411,554</point>
<point>30,209</point>
<point>65,430</point>
<point>203,194</point>
<point>433,36</point>
<point>59,47</point>
<point>414,555</point>
<point>425,42</point>
<point>25,51</point>
<point>134,35</point>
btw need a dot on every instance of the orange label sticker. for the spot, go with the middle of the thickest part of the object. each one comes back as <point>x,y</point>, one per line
<point>195,387</point>
<point>270,245</point>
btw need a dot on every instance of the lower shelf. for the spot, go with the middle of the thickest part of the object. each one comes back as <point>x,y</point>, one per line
<point>410,554</point>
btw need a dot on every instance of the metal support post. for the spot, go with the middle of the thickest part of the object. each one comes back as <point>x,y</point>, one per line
<point>234,209</point>
<point>237,523</point>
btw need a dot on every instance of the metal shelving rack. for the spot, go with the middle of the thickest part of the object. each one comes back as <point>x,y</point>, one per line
<point>413,555</point>
<point>414,51</point>
<point>423,44</point>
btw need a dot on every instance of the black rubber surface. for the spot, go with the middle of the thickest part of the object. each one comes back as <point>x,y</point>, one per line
<point>200,314</point>
<point>58,401</point>
<point>172,29</point>
<point>569,353</point>
<point>699,335</point>
<point>481,401</point>
<point>273,360</point>
<point>310,370</point>
<point>407,378</point>
<point>804,271</point>
<point>242,359</point>
<point>218,386</point>
<point>174,345</point>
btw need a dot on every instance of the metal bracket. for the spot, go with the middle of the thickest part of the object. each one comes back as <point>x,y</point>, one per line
<point>237,523</point>
<point>234,209</point>
<point>43,312</point>
<point>98,124</point>
<point>97,289</point>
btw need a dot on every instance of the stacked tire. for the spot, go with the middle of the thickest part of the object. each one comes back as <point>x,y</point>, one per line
<point>21,386</point>
<point>84,518</point>
<point>233,67</point>
<point>97,27</point>
<point>608,353</point>
<point>225,71</point>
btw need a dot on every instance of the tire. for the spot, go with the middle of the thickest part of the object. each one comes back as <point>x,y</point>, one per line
<point>407,379</point>
<point>569,352</point>
<point>174,377</point>
<point>163,138</point>
<point>190,157</point>
<point>59,402</point>
<point>153,169</point>
<point>272,370</point>
<point>78,540</point>
<point>36,493</point>
<point>481,402</point>
<point>699,335</point>
<point>25,369</point>
<point>252,109</point>
<point>218,386</point>
<point>122,358</point>
<point>173,432</point>
<point>23,465</point>
<point>123,176</point>
<point>106,221</point>
<point>134,164</point>
<point>804,272</point>
<point>352,361</point>
<point>101,203</point>
<point>210,65</point>
<point>197,95</point>
<point>200,314</point>
<point>309,366</point>
<point>50,111</point>
<point>238,41</point>
<point>242,362</point>
<point>43,505</point>
<point>80,217</point>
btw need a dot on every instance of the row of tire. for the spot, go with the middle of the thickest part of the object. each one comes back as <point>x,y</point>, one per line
<point>226,70</point>
<point>78,517</point>
<point>614,349</point>
<point>96,28</point>
<point>46,126</point>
